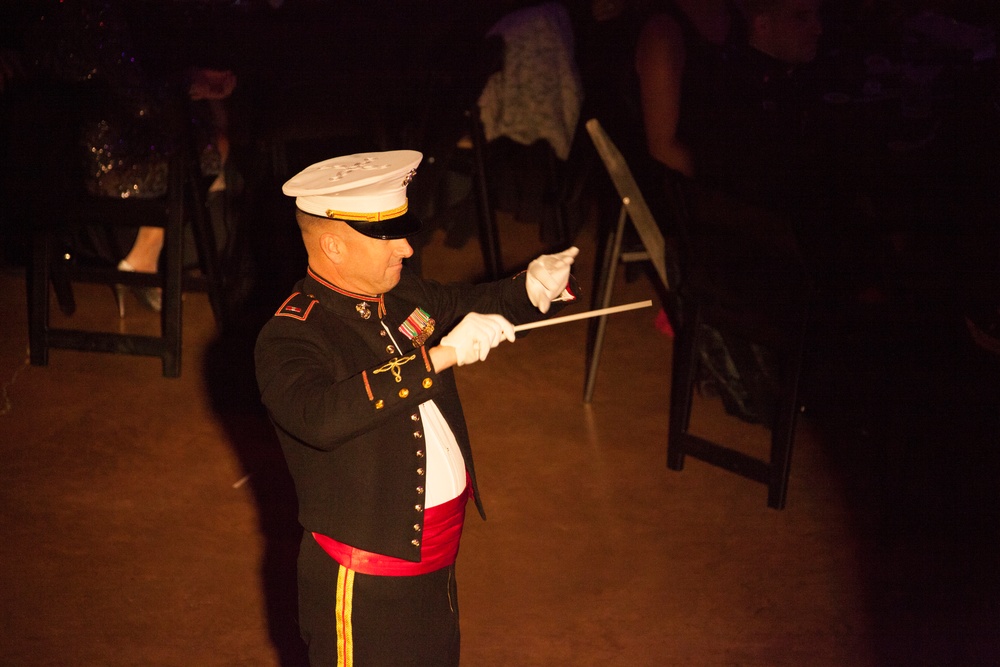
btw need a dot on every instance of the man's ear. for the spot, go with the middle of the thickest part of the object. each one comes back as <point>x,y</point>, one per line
<point>332,246</point>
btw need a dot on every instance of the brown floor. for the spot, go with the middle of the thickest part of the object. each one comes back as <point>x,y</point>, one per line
<point>147,521</point>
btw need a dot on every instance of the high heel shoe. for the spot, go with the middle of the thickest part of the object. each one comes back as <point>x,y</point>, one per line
<point>151,297</point>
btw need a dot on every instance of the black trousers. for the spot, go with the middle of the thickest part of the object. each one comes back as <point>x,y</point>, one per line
<point>351,619</point>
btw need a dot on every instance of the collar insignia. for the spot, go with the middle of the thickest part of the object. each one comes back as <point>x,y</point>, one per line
<point>363,310</point>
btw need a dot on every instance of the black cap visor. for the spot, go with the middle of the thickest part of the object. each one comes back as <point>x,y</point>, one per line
<point>394,228</point>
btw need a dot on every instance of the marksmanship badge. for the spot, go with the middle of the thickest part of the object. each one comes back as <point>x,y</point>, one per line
<point>418,327</point>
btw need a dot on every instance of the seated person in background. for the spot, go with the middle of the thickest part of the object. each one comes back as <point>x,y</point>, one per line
<point>701,123</point>
<point>761,148</point>
<point>686,80</point>
<point>678,57</point>
<point>771,150</point>
<point>755,161</point>
<point>88,52</point>
<point>715,93</point>
<point>213,87</point>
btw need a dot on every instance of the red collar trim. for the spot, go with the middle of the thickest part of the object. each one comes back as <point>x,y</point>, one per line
<point>326,283</point>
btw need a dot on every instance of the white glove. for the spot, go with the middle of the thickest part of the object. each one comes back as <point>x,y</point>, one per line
<point>476,335</point>
<point>548,276</point>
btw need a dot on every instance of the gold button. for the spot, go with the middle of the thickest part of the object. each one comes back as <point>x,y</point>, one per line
<point>390,349</point>
<point>418,435</point>
<point>403,393</point>
<point>415,417</point>
<point>420,489</point>
<point>416,527</point>
<point>379,404</point>
<point>382,333</point>
<point>420,471</point>
<point>420,453</point>
<point>428,383</point>
<point>415,543</point>
<point>419,508</point>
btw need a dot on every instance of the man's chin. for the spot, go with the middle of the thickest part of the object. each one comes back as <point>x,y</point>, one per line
<point>392,279</point>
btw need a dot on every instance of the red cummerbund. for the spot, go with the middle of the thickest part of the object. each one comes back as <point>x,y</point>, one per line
<point>439,544</point>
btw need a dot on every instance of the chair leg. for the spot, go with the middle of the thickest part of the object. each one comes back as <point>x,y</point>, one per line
<point>38,299</point>
<point>205,245</point>
<point>781,457</point>
<point>782,438</point>
<point>606,283</point>
<point>489,238</point>
<point>173,285</point>
<point>61,285</point>
<point>685,367</point>
<point>783,433</point>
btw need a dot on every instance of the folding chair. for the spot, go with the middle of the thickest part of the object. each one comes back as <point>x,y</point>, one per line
<point>59,203</point>
<point>634,209</point>
<point>760,294</point>
<point>692,309</point>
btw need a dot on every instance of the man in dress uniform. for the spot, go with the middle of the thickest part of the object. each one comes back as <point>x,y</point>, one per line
<point>355,370</point>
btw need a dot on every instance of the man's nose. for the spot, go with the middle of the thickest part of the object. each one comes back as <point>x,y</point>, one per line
<point>402,248</point>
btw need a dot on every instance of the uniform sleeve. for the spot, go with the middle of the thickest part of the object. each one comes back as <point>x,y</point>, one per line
<point>507,297</point>
<point>323,407</point>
